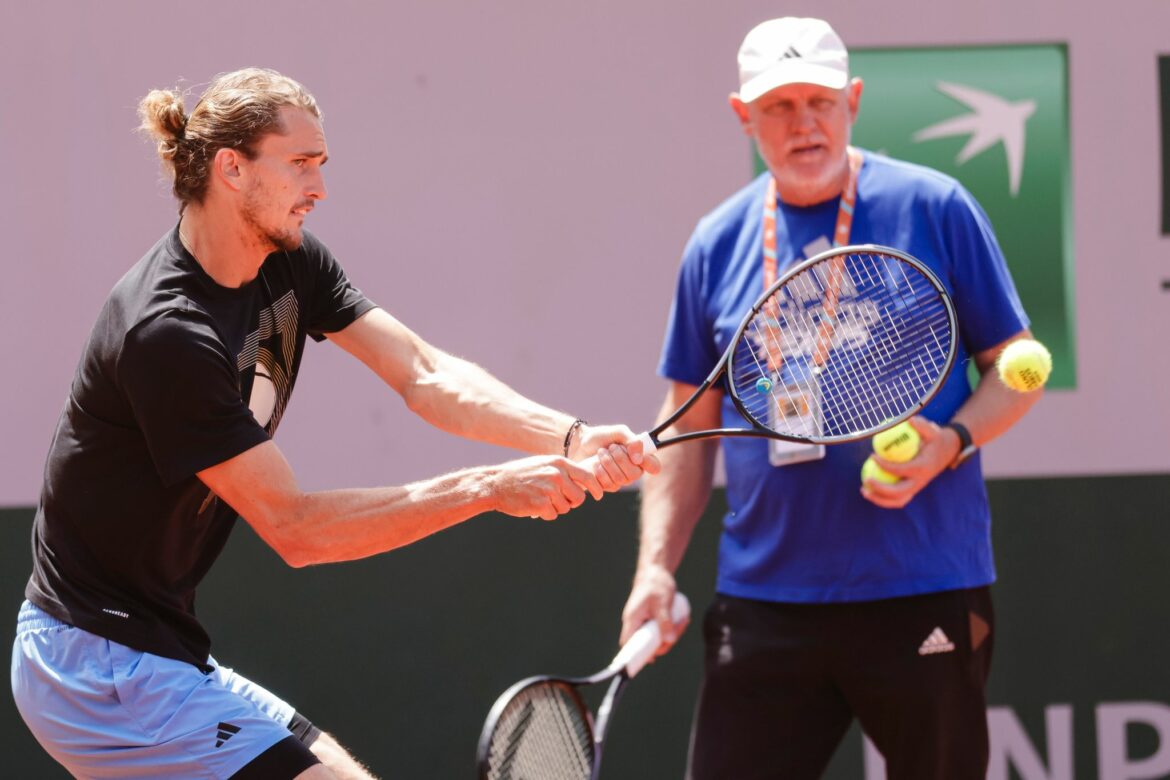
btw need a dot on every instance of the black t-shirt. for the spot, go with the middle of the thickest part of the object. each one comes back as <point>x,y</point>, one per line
<point>179,374</point>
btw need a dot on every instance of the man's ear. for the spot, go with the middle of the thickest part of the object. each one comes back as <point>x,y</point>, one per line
<point>853,97</point>
<point>225,167</point>
<point>741,112</point>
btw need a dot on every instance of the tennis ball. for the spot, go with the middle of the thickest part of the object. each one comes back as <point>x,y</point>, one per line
<point>1024,365</point>
<point>871,470</point>
<point>898,444</point>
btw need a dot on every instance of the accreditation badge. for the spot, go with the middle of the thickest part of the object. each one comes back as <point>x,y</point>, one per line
<point>796,409</point>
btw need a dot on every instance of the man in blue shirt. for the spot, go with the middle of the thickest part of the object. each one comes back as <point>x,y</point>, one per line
<point>833,602</point>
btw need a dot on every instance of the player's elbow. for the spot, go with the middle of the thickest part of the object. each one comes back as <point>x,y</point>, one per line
<point>296,556</point>
<point>416,398</point>
<point>434,396</point>
<point>284,528</point>
<point>297,549</point>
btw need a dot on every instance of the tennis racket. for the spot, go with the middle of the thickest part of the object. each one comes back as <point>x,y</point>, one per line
<point>845,344</point>
<point>541,729</point>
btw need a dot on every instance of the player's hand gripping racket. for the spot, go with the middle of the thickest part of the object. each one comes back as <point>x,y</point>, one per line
<point>845,344</point>
<point>541,729</point>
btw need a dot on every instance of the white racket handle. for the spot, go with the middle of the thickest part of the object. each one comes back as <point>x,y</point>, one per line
<point>648,448</point>
<point>641,647</point>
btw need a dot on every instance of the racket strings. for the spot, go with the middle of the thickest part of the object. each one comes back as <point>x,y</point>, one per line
<point>875,390</point>
<point>842,347</point>
<point>914,339</point>
<point>542,734</point>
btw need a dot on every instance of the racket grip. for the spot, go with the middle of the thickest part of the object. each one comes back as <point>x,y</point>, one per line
<point>648,448</point>
<point>641,647</point>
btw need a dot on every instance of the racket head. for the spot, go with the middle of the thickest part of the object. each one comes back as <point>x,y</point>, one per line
<point>849,342</point>
<point>538,728</point>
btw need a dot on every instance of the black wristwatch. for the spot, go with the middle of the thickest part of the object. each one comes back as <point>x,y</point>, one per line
<point>966,445</point>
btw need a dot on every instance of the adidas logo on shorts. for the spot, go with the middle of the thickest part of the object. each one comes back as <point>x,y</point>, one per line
<point>937,642</point>
<point>224,732</point>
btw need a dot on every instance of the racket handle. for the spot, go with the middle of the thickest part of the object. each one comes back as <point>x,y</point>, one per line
<point>648,448</point>
<point>641,647</point>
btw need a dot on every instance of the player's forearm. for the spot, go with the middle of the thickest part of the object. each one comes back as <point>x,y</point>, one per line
<point>672,503</point>
<point>464,399</point>
<point>450,393</point>
<point>992,409</point>
<point>341,525</point>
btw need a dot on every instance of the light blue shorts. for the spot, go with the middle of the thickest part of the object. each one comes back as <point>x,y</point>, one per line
<point>105,710</point>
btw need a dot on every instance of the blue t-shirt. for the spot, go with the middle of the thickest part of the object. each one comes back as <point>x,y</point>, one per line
<point>803,532</point>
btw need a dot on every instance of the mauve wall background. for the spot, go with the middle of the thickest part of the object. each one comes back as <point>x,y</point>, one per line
<point>539,166</point>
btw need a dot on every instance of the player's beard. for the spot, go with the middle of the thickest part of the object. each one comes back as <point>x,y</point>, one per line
<point>274,239</point>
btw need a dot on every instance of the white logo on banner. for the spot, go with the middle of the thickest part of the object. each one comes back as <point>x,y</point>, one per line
<point>1013,749</point>
<point>992,120</point>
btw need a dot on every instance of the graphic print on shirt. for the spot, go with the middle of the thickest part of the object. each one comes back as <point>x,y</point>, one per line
<point>271,349</point>
<point>801,328</point>
<point>798,333</point>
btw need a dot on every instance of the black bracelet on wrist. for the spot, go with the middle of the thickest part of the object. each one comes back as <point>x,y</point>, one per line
<point>573,429</point>
<point>967,447</point>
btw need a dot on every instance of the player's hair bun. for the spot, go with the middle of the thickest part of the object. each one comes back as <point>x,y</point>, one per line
<point>163,119</point>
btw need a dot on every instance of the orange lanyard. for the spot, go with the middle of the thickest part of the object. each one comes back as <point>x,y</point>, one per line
<point>774,347</point>
<point>844,216</point>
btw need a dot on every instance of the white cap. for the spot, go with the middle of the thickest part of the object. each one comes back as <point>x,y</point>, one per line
<point>791,50</point>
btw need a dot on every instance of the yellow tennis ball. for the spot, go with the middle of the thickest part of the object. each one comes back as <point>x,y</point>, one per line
<point>1024,365</point>
<point>898,444</point>
<point>871,470</point>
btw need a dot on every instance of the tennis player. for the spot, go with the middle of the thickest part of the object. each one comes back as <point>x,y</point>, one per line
<point>833,602</point>
<point>166,437</point>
